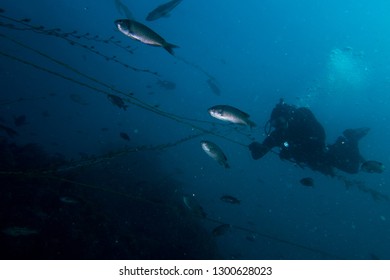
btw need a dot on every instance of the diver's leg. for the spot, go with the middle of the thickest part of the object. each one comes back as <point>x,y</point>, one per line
<point>345,155</point>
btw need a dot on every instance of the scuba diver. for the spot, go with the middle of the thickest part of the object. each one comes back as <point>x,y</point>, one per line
<point>301,139</point>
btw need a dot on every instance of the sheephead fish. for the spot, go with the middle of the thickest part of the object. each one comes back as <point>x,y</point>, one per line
<point>163,10</point>
<point>230,114</point>
<point>139,32</point>
<point>215,152</point>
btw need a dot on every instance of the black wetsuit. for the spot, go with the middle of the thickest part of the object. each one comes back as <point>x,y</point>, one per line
<point>301,139</point>
<point>344,154</point>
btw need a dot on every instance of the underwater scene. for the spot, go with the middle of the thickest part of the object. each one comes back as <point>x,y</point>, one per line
<point>179,129</point>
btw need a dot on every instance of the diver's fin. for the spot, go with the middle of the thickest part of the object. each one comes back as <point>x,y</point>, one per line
<point>356,134</point>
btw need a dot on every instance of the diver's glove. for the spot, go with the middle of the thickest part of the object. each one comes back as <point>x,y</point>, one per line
<point>258,150</point>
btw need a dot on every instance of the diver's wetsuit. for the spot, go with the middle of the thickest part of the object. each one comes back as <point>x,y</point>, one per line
<point>344,154</point>
<point>301,139</point>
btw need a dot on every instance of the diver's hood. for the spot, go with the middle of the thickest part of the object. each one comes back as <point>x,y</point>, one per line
<point>281,111</point>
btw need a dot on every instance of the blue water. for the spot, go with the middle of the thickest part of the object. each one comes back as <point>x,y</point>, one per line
<point>331,56</point>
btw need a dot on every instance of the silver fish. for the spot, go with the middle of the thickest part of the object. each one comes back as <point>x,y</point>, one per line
<point>193,206</point>
<point>139,32</point>
<point>230,114</point>
<point>163,10</point>
<point>230,199</point>
<point>215,152</point>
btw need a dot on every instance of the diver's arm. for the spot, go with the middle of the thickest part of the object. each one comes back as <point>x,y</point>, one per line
<point>275,139</point>
<point>258,150</point>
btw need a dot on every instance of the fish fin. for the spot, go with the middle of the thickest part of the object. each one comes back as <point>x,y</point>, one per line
<point>356,134</point>
<point>251,124</point>
<point>169,47</point>
<point>246,115</point>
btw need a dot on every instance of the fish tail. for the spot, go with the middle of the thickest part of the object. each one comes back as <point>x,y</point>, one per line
<point>169,47</point>
<point>251,124</point>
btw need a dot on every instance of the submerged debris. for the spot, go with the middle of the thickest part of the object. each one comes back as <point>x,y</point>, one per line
<point>215,152</point>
